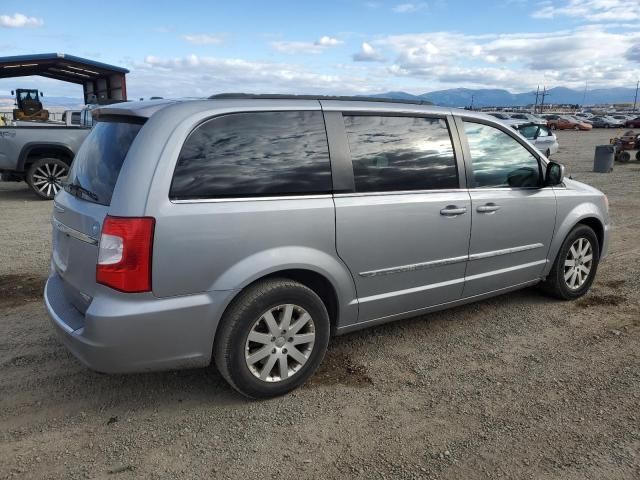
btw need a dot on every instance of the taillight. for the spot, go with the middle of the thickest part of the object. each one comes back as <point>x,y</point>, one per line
<point>125,251</point>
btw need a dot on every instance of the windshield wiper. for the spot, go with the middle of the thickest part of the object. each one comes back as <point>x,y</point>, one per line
<point>74,187</point>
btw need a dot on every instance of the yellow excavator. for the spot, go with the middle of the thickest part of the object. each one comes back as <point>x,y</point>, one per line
<point>29,106</point>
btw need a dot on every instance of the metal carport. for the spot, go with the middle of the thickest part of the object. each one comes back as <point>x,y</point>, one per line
<point>106,82</point>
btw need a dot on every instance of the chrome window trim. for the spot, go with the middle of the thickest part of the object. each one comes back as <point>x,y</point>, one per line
<point>507,189</point>
<point>400,192</point>
<point>251,199</point>
<point>83,237</point>
<point>449,261</point>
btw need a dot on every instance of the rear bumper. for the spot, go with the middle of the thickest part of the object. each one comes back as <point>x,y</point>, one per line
<point>122,333</point>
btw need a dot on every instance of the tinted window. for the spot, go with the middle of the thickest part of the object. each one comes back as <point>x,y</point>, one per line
<point>400,153</point>
<point>528,131</point>
<point>97,165</point>
<point>254,154</point>
<point>499,160</point>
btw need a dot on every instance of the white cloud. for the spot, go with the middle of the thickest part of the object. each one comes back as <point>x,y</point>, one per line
<point>202,76</point>
<point>409,7</point>
<point>204,38</point>
<point>18,20</point>
<point>368,54</point>
<point>318,46</point>
<point>516,61</point>
<point>326,41</point>
<point>593,10</point>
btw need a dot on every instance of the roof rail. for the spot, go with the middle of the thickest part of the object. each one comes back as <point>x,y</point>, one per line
<point>278,96</point>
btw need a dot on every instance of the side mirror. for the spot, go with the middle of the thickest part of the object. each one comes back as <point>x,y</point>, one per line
<point>41,94</point>
<point>554,175</point>
<point>13,92</point>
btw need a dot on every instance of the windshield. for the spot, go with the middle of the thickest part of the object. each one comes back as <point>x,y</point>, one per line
<point>29,95</point>
<point>97,165</point>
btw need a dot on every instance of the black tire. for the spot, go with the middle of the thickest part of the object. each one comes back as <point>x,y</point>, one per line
<point>624,157</point>
<point>638,156</point>
<point>555,284</point>
<point>45,177</point>
<point>238,321</point>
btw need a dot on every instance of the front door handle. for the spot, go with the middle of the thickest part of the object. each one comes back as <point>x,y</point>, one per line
<point>453,211</point>
<point>488,208</point>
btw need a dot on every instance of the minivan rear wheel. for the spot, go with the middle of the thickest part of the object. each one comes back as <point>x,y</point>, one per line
<point>575,266</point>
<point>272,338</point>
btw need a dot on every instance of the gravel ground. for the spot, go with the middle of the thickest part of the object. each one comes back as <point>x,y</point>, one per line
<point>519,386</point>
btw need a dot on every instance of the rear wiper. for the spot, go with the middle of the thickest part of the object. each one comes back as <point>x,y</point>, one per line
<point>74,187</point>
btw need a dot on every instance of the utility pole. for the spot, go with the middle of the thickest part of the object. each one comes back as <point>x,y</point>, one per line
<point>635,100</point>
<point>535,106</point>
<point>544,94</point>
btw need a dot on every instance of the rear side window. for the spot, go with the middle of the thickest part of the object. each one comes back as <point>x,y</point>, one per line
<point>499,160</point>
<point>97,164</point>
<point>400,153</point>
<point>529,131</point>
<point>254,154</point>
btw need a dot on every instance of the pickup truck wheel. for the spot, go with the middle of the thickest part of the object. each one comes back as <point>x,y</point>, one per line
<point>575,266</point>
<point>272,338</point>
<point>45,177</point>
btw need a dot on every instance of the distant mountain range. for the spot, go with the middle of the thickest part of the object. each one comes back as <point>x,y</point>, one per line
<point>454,97</point>
<point>487,97</point>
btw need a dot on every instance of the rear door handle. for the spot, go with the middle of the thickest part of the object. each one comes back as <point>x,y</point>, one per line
<point>488,208</point>
<point>452,211</point>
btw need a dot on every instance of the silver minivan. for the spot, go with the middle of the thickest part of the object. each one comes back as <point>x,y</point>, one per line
<point>248,230</point>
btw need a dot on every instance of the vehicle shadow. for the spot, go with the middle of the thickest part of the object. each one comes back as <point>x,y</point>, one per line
<point>19,192</point>
<point>342,366</point>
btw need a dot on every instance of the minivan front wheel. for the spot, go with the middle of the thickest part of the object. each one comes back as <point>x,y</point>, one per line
<point>575,266</point>
<point>272,338</point>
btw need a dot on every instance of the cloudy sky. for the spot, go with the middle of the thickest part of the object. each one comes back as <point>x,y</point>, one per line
<point>192,48</point>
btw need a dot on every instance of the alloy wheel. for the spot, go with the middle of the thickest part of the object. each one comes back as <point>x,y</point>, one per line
<point>578,263</point>
<point>48,178</point>
<point>279,343</point>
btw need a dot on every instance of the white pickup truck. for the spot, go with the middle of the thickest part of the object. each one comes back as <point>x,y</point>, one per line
<point>40,153</point>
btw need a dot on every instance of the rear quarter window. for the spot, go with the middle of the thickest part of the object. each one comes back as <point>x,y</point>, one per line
<point>96,167</point>
<point>254,154</point>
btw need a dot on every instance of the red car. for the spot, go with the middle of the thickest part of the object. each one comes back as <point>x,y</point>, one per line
<point>635,123</point>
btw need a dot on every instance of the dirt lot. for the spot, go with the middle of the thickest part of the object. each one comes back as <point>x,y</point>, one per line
<point>519,386</point>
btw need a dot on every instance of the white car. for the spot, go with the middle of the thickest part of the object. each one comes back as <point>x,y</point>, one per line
<point>540,136</point>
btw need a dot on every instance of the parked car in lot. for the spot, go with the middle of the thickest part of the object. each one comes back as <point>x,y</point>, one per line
<point>622,118</point>
<point>249,229</point>
<point>528,117</point>
<point>581,119</point>
<point>40,153</point>
<point>500,115</point>
<point>565,122</point>
<point>606,122</point>
<point>634,123</point>
<point>540,136</point>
